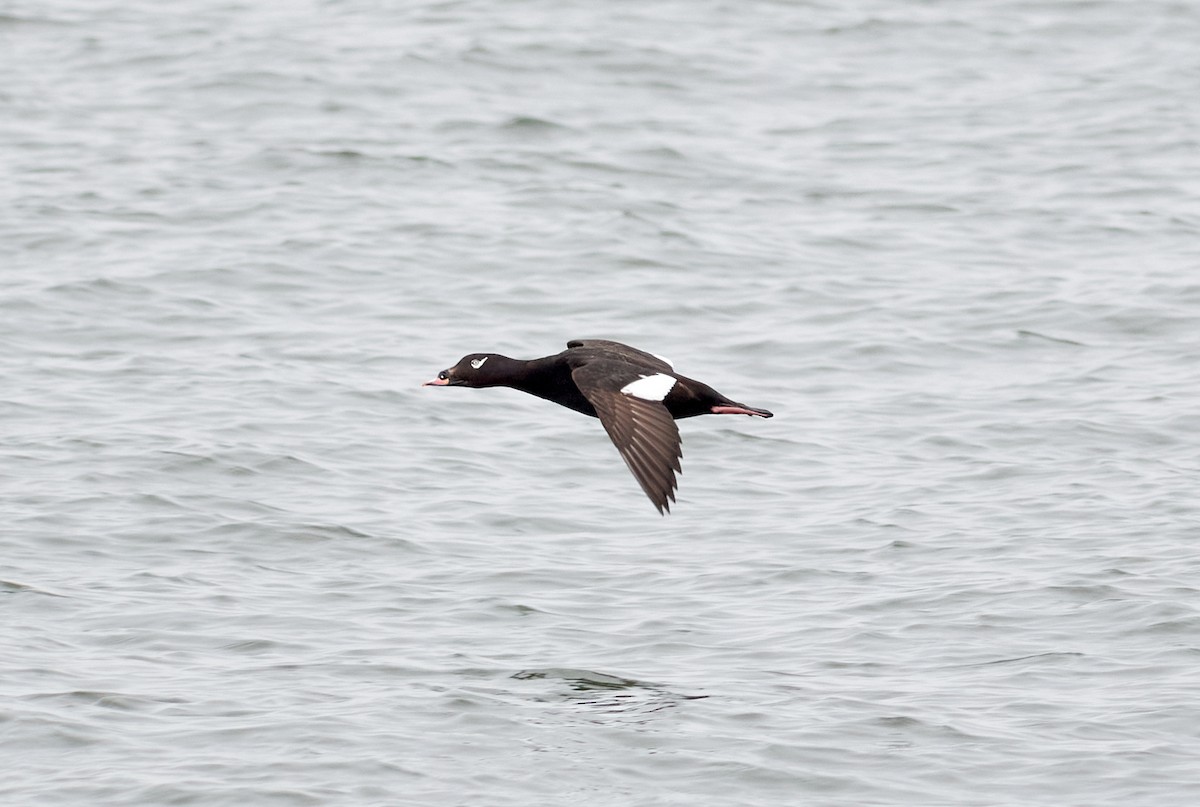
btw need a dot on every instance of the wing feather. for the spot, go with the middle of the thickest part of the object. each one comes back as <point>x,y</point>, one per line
<point>623,352</point>
<point>643,431</point>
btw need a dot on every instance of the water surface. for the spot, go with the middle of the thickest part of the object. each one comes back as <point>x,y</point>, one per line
<point>245,559</point>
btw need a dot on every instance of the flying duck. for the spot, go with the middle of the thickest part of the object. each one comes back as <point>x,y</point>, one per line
<point>638,396</point>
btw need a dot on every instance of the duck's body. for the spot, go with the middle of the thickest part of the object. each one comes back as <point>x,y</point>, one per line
<point>636,395</point>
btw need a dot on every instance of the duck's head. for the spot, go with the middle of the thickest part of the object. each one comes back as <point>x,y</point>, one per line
<point>474,370</point>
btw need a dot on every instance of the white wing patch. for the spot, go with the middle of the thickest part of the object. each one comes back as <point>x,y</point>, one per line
<point>477,363</point>
<point>650,387</point>
<point>670,363</point>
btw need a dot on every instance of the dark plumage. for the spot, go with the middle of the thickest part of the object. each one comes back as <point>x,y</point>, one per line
<point>637,396</point>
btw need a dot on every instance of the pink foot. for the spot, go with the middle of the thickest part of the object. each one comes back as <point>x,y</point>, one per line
<point>740,410</point>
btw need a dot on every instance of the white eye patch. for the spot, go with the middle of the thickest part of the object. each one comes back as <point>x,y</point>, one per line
<point>477,363</point>
<point>650,387</point>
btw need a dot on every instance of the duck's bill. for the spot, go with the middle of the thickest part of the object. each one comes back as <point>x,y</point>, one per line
<point>437,382</point>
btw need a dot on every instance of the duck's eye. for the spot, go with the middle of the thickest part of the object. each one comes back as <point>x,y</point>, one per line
<point>442,375</point>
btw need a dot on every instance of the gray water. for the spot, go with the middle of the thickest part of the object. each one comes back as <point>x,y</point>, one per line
<point>246,560</point>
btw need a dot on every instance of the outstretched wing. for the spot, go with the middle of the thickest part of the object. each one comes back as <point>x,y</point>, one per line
<point>641,429</point>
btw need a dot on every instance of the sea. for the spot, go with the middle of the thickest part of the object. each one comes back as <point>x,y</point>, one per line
<point>246,559</point>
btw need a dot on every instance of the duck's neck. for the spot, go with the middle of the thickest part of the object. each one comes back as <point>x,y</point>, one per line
<point>529,375</point>
<point>549,378</point>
